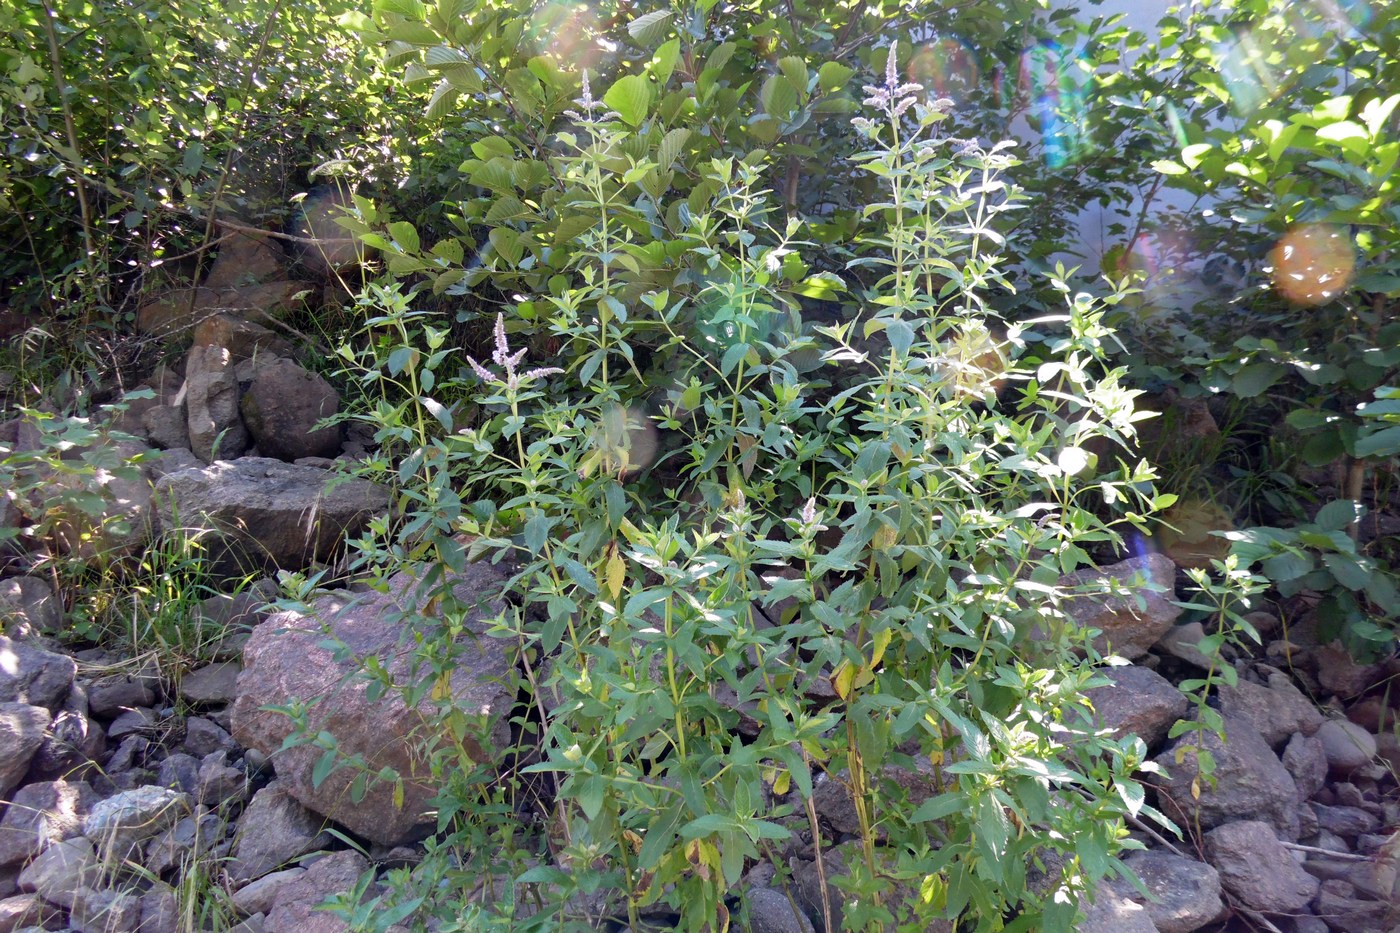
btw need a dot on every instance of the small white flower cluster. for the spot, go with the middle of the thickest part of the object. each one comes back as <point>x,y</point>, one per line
<point>586,102</point>
<point>508,361</point>
<point>892,97</point>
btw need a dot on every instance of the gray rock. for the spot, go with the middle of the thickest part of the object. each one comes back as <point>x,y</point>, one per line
<point>204,737</point>
<point>190,838</point>
<point>281,408</point>
<point>1139,702</point>
<point>1346,745</point>
<point>1250,782</point>
<point>179,772</point>
<point>28,912</point>
<point>211,684</point>
<point>1111,912</point>
<point>108,696</point>
<point>141,720</point>
<point>1345,821</point>
<point>258,896</point>
<point>178,311</point>
<point>133,816</point>
<point>1254,865</point>
<point>28,606</point>
<point>1339,673</point>
<point>274,830</point>
<point>244,259</point>
<point>41,814</point>
<point>171,461</point>
<point>287,657</point>
<point>771,912</point>
<point>62,870</point>
<point>268,513</point>
<point>167,427</point>
<point>1187,892</point>
<point>160,910</point>
<point>216,430</point>
<point>220,783</point>
<point>22,728</point>
<point>72,744</point>
<point>1277,711</point>
<point>34,676</point>
<point>294,908</point>
<point>1339,902</point>
<point>102,911</point>
<point>1306,759</point>
<point>1128,629</point>
<point>1183,642</point>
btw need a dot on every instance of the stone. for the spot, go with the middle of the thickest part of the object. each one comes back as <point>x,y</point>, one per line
<point>179,772</point>
<point>245,340</point>
<point>1256,868</point>
<point>62,870</point>
<point>170,461</point>
<point>274,829</point>
<point>220,783</point>
<point>1128,629</point>
<point>288,657</point>
<point>1338,901</point>
<point>190,838</point>
<point>1338,672</point>
<point>1306,759</point>
<point>1346,745</point>
<point>72,743</point>
<point>244,259</point>
<point>160,910</point>
<point>257,897</point>
<point>1186,892</point>
<point>271,514</point>
<point>28,607</point>
<point>204,737</point>
<point>771,912</point>
<point>42,814</point>
<point>1345,821</point>
<point>282,407</point>
<point>1183,642</point>
<point>1277,711</point>
<point>28,912</point>
<point>22,728</point>
<point>133,816</point>
<point>108,696</point>
<point>1139,702</point>
<point>167,427</point>
<point>1250,782</point>
<point>1111,912</point>
<point>177,312</point>
<point>294,908</point>
<point>216,430</point>
<point>139,721</point>
<point>101,911</point>
<point>211,684</point>
<point>34,676</point>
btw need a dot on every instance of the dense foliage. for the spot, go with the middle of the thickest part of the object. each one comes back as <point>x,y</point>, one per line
<point>740,333</point>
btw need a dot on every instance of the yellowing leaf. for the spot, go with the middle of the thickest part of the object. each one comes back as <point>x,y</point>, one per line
<point>616,573</point>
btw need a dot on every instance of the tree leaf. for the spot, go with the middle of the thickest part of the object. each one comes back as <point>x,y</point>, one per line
<point>1253,379</point>
<point>630,98</point>
<point>650,28</point>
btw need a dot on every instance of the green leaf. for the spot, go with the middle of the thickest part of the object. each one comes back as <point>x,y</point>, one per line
<point>650,28</point>
<point>778,97</point>
<point>323,767</point>
<point>936,808</point>
<point>404,235</point>
<point>1348,571</point>
<point>1335,516</point>
<point>630,98</point>
<point>444,96</point>
<point>1382,443</point>
<point>1253,379</point>
<point>663,63</point>
<point>1168,167</point>
<point>832,77</point>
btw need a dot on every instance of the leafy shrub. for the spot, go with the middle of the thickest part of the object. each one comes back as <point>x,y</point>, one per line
<point>748,574</point>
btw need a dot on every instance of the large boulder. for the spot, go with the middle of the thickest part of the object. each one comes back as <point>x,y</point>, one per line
<point>282,407</point>
<point>33,675</point>
<point>244,259</point>
<point>1254,865</point>
<point>176,312</point>
<point>21,733</point>
<point>29,606</point>
<point>1131,623</point>
<point>267,513</point>
<point>1250,783</point>
<point>290,657</point>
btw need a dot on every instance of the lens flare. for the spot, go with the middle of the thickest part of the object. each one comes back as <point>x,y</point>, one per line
<point>946,68</point>
<point>1313,264</point>
<point>625,441</point>
<point>569,31</point>
<point>1054,88</point>
<point>1245,70</point>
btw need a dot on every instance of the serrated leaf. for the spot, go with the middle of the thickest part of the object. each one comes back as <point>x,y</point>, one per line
<point>670,148</point>
<point>778,97</point>
<point>630,98</point>
<point>832,77</point>
<point>663,63</point>
<point>1335,516</point>
<point>444,96</point>
<point>404,235</point>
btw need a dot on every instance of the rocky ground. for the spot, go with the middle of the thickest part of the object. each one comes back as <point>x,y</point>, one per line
<point>123,789</point>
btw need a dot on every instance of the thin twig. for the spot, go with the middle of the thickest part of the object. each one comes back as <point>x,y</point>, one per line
<point>1335,856</point>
